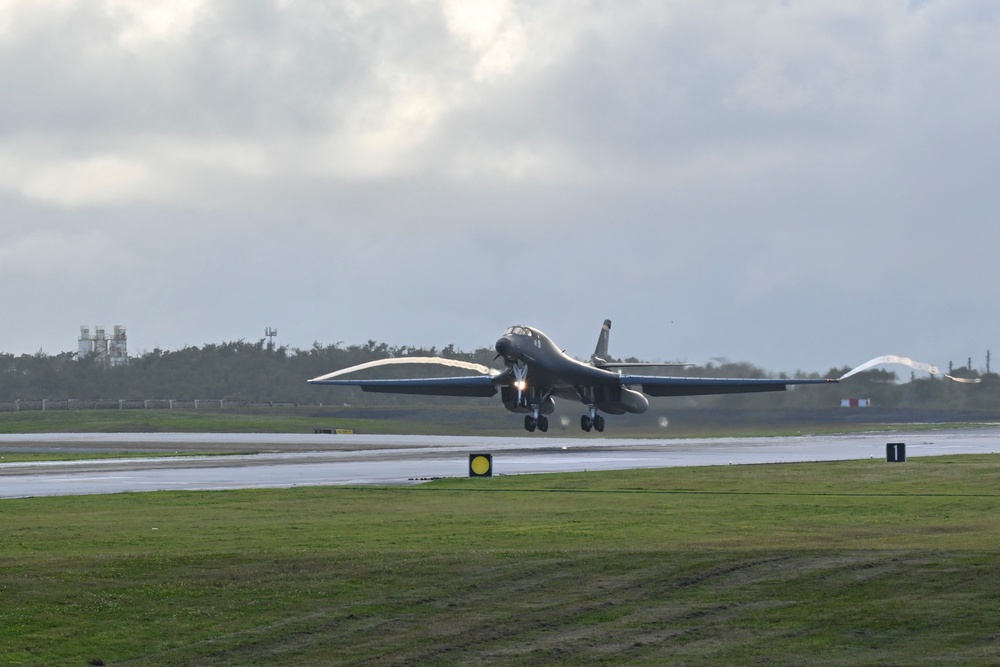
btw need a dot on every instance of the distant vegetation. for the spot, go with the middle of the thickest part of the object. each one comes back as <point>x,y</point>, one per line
<point>255,371</point>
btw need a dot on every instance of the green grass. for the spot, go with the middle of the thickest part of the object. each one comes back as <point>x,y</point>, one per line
<point>261,420</point>
<point>830,564</point>
<point>175,421</point>
<point>431,420</point>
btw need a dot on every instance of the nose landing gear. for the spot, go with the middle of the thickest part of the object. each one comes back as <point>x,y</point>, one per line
<point>534,398</point>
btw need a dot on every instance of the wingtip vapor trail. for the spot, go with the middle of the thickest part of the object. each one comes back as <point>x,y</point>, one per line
<point>906,361</point>
<point>441,361</point>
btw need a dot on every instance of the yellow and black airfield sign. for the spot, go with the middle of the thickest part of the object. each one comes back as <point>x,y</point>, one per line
<point>480,465</point>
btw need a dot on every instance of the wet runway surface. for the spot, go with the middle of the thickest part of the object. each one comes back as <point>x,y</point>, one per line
<point>279,461</point>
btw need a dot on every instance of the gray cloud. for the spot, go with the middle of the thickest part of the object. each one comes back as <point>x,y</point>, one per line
<point>799,185</point>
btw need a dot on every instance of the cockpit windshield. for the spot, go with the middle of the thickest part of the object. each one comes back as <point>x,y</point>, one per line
<point>518,331</point>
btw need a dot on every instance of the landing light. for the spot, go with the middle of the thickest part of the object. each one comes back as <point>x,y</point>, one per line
<point>520,385</point>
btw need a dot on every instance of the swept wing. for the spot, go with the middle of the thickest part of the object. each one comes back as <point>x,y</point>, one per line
<point>483,385</point>
<point>474,385</point>
<point>654,385</point>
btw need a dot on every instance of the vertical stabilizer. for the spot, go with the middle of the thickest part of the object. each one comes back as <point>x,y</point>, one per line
<point>600,355</point>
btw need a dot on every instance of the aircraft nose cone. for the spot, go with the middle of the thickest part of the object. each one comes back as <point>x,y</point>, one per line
<point>506,349</point>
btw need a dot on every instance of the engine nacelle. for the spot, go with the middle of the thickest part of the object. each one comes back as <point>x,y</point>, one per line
<point>619,400</point>
<point>528,397</point>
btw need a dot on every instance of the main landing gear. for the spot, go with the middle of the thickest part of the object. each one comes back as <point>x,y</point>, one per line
<point>594,421</point>
<point>531,422</point>
<point>591,420</point>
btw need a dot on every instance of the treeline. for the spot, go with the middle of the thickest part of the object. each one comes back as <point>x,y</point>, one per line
<point>237,371</point>
<point>258,372</point>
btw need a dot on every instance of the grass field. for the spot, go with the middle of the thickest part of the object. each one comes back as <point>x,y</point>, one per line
<point>481,421</point>
<point>844,563</point>
<point>178,421</point>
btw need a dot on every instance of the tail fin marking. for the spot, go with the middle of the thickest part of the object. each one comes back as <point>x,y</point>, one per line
<point>600,355</point>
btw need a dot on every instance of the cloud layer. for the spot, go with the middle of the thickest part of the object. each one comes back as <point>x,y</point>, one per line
<point>796,184</point>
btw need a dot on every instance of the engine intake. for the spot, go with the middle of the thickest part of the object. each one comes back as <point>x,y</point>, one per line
<point>528,397</point>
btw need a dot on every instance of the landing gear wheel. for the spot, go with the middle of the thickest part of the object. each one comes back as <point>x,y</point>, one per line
<point>543,423</point>
<point>530,423</point>
<point>586,423</point>
<point>599,423</point>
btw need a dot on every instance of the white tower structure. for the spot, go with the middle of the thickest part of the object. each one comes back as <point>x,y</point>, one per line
<point>112,351</point>
<point>86,343</point>
<point>100,343</point>
<point>118,347</point>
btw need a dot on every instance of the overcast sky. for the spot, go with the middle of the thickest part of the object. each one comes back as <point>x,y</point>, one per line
<point>800,185</point>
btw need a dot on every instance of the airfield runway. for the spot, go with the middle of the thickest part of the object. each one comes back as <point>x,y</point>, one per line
<point>281,461</point>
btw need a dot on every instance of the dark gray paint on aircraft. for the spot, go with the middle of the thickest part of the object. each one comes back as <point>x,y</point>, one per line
<point>538,371</point>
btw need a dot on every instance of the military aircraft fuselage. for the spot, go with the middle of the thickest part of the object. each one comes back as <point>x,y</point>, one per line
<point>537,371</point>
<point>542,371</point>
<point>546,363</point>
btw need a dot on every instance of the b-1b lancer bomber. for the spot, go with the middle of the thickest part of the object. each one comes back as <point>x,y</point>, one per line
<point>538,371</point>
